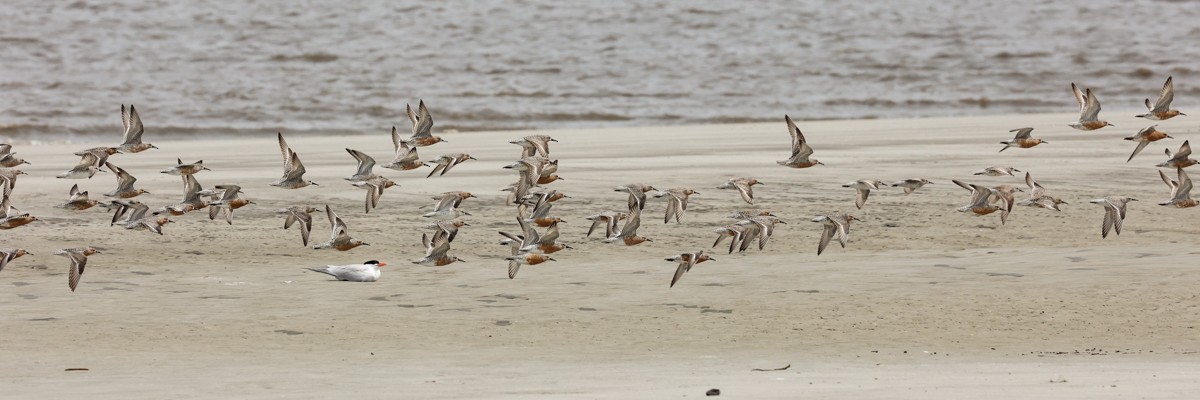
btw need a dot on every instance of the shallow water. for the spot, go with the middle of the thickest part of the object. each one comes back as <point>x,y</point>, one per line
<point>254,67</point>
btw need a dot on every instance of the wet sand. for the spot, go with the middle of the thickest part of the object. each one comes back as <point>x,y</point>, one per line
<point>924,302</point>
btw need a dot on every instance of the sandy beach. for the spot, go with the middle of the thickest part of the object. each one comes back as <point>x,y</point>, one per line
<point>924,302</point>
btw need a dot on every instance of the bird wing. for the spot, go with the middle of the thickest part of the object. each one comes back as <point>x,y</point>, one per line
<point>1185,151</point>
<point>74,193</point>
<point>980,196</point>
<point>1183,191</point>
<point>133,125</point>
<point>441,165</point>
<point>686,262</point>
<point>305,226</point>
<point>1091,110</point>
<point>397,141</point>
<point>797,136</point>
<point>439,247</point>
<point>541,144</point>
<point>125,181</point>
<point>1170,182</point>
<point>1110,215</point>
<point>529,234</point>
<point>672,209</point>
<point>745,190</point>
<point>963,185</point>
<point>1165,96</point>
<point>333,218</point>
<point>861,198</point>
<point>1079,97</point>
<point>88,160</point>
<point>1035,189</point>
<point>412,118</point>
<point>78,262</point>
<point>231,191</point>
<point>683,267</point>
<point>1022,133</point>
<point>365,163</point>
<point>1141,145</point>
<point>297,168</point>
<point>826,235</point>
<point>513,267</point>
<point>454,160</point>
<point>631,225</point>
<point>843,229</point>
<point>596,222</point>
<point>424,126</point>
<point>287,152</point>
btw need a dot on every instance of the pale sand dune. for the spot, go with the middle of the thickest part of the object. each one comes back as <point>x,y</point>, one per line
<point>939,305</point>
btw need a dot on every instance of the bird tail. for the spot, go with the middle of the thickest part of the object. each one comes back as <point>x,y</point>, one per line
<point>321,270</point>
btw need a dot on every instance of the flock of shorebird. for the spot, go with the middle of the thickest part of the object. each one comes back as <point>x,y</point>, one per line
<point>533,202</point>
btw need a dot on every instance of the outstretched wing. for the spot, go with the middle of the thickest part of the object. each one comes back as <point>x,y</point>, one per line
<point>78,262</point>
<point>1022,133</point>
<point>1091,109</point>
<point>1165,96</point>
<point>133,125</point>
<point>1079,97</point>
<point>826,235</point>
<point>745,190</point>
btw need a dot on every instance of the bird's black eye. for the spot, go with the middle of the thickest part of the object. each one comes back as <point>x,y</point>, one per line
<point>373,262</point>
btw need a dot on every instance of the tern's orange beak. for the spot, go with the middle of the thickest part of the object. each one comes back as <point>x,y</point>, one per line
<point>382,264</point>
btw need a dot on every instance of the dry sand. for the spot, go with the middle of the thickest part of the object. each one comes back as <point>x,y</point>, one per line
<point>925,302</point>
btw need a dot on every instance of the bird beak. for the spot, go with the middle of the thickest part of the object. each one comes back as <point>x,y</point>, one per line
<point>382,264</point>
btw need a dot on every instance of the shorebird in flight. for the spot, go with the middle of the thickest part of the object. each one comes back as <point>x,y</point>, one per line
<point>1161,110</point>
<point>1089,111</point>
<point>801,151</point>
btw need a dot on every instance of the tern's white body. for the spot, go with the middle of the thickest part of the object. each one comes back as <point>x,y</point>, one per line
<point>368,272</point>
